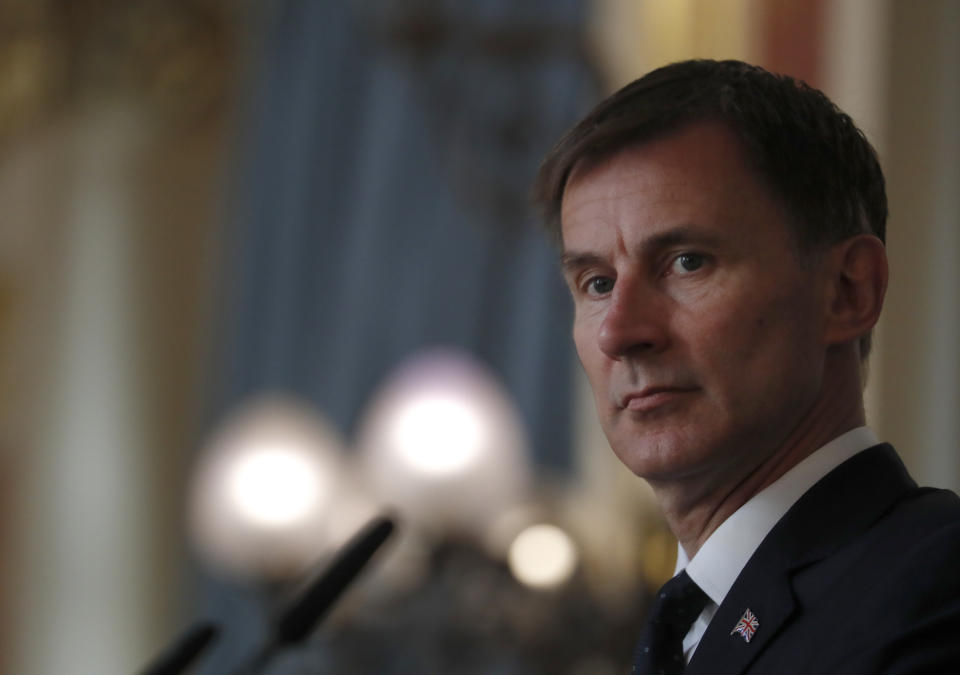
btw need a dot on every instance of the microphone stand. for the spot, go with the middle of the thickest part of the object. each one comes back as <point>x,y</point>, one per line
<point>298,620</point>
<point>295,622</point>
<point>178,656</point>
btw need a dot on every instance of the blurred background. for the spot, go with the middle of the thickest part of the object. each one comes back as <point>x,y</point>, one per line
<point>269,268</point>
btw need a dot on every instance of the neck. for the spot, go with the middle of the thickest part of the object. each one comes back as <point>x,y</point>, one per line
<point>695,506</point>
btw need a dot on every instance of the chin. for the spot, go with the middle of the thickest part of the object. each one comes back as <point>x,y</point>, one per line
<point>654,461</point>
<point>666,456</point>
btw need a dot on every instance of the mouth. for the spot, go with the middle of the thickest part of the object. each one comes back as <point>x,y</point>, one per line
<point>652,398</point>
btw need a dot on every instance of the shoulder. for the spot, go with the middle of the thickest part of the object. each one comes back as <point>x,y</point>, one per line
<point>895,593</point>
<point>912,545</point>
<point>923,518</point>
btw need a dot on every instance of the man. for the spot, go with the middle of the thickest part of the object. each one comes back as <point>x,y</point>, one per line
<point>722,236</point>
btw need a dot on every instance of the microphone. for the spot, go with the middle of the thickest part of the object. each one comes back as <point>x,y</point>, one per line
<point>303,614</point>
<point>178,656</point>
<point>297,620</point>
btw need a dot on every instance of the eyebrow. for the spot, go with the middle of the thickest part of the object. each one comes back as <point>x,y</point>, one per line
<point>682,234</point>
<point>572,261</point>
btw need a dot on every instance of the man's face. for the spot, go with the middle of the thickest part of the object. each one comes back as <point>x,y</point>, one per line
<point>699,329</point>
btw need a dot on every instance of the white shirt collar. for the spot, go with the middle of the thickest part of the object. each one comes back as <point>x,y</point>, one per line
<point>725,553</point>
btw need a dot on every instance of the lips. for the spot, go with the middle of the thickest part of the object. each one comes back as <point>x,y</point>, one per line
<point>650,398</point>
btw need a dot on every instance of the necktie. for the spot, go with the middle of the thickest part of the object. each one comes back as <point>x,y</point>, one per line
<point>676,606</point>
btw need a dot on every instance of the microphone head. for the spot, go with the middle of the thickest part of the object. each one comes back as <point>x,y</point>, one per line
<point>300,618</point>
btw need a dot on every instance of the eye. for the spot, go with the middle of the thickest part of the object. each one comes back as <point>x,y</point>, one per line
<point>599,285</point>
<point>688,262</point>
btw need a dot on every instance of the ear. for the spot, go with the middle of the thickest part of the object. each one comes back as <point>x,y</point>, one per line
<point>858,281</point>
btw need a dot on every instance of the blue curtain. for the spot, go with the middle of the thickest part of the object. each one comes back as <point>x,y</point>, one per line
<point>381,207</point>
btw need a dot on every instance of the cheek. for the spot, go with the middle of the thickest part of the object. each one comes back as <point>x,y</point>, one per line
<point>591,359</point>
<point>585,338</point>
<point>594,362</point>
<point>749,335</point>
<point>765,348</point>
<point>581,340</point>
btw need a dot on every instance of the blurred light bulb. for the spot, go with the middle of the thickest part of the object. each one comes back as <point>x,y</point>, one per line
<point>542,556</point>
<point>443,443</point>
<point>271,493</point>
<point>274,486</point>
<point>438,434</point>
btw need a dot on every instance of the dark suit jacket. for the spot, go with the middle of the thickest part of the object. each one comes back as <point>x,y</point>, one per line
<point>862,575</point>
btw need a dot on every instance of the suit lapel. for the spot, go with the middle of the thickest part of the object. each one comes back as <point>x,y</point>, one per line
<point>831,513</point>
<point>763,589</point>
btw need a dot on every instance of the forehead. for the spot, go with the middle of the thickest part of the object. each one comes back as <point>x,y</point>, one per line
<point>699,172</point>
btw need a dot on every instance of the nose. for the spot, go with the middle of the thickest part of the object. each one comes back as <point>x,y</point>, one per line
<point>635,322</point>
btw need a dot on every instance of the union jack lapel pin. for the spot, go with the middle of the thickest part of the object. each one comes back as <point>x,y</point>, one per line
<point>746,626</point>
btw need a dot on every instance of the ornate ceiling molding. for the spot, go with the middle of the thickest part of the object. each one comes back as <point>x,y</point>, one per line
<point>174,58</point>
